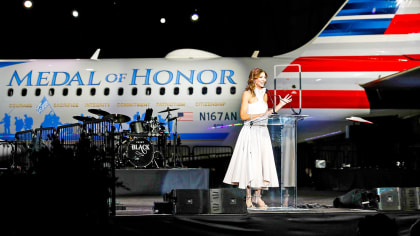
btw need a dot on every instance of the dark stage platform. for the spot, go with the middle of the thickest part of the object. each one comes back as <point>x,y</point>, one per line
<point>318,218</point>
<point>50,208</point>
<point>338,222</point>
<point>314,216</point>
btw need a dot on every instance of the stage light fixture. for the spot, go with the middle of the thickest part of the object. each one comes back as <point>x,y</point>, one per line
<point>194,17</point>
<point>75,13</point>
<point>163,20</point>
<point>320,164</point>
<point>27,4</point>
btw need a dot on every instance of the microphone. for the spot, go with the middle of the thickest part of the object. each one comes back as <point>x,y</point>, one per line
<point>269,95</point>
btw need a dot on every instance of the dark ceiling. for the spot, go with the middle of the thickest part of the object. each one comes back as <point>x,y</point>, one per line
<point>132,29</point>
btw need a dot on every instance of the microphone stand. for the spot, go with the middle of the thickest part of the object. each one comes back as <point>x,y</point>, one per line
<point>275,96</point>
<point>274,102</point>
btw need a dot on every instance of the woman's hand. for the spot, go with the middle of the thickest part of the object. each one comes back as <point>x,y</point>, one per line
<point>285,100</point>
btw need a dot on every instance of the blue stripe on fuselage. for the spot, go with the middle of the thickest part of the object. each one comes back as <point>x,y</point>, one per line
<point>10,63</point>
<point>363,7</point>
<point>356,27</point>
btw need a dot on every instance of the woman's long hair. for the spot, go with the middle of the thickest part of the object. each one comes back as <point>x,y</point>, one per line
<point>254,74</point>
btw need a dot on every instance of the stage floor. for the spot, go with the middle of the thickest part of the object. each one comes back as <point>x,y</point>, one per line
<point>315,215</point>
<point>318,218</point>
<point>47,207</point>
<point>312,200</point>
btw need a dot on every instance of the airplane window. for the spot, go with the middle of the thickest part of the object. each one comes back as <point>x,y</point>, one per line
<point>218,90</point>
<point>190,90</point>
<point>10,92</point>
<point>204,90</point>
<point>162,91</point>
<point>37,92</point>
<point>106,91</point>
<point>120,91</point>
<point>51,92</point>
<point>79,92</point>
<point>232,90</point>
<point>65,91</point>
<point>176,90</point>
<point>134,91</point>
<point>148,91</point>
<point>92,91</point>
<point>24,92</point>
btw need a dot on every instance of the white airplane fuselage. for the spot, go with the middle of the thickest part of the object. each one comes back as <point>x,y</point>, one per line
<point>71,87</point>
<point>361,44</point>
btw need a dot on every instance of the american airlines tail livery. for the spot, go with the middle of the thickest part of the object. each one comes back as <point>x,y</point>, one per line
<point>365,62</point>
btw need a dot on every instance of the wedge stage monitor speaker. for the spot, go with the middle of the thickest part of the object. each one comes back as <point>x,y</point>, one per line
<point>227,201</point>
<point>203,201</point>
<point>189,201</point>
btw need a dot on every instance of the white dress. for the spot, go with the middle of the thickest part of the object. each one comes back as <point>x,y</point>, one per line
<point>252,163</point>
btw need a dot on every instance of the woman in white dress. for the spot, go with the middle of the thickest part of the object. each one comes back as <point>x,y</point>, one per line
<point>252,164</point>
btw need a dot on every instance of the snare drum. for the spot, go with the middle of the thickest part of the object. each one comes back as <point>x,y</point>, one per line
<point>138,127</point>
<point>140,152</point>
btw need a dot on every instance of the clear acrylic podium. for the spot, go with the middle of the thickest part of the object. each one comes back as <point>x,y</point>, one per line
<point>283,133</point>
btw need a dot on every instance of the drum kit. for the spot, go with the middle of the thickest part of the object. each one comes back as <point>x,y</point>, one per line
<point>146,143</point>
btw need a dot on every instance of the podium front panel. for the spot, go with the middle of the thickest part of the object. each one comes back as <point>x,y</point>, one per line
<point>283,135</point>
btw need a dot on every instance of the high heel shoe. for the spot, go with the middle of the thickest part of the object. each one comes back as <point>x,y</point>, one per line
<point>259,202</point>
<point>249,202</point>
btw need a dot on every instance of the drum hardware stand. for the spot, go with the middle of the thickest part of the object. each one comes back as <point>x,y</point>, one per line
<point>113,188</point>
<point>120,156</point>
<point>154,163</point>
<point>162,149</point>
<point>175,156</point>
<point>169,119</point>
<point>114,118</point>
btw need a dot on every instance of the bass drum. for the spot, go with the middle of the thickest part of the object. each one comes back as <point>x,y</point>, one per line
<point>140,153</point>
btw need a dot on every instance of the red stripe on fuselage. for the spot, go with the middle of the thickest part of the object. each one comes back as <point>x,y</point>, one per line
<point>327,99</point>
<point>353,63</point>
<point>404,24</point>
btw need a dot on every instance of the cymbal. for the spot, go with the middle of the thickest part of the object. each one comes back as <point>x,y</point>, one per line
<point>173,118</point>
<point>117,118</point>
<point>168,109</point>
<point>84,118</point>
<point>99,112</point>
